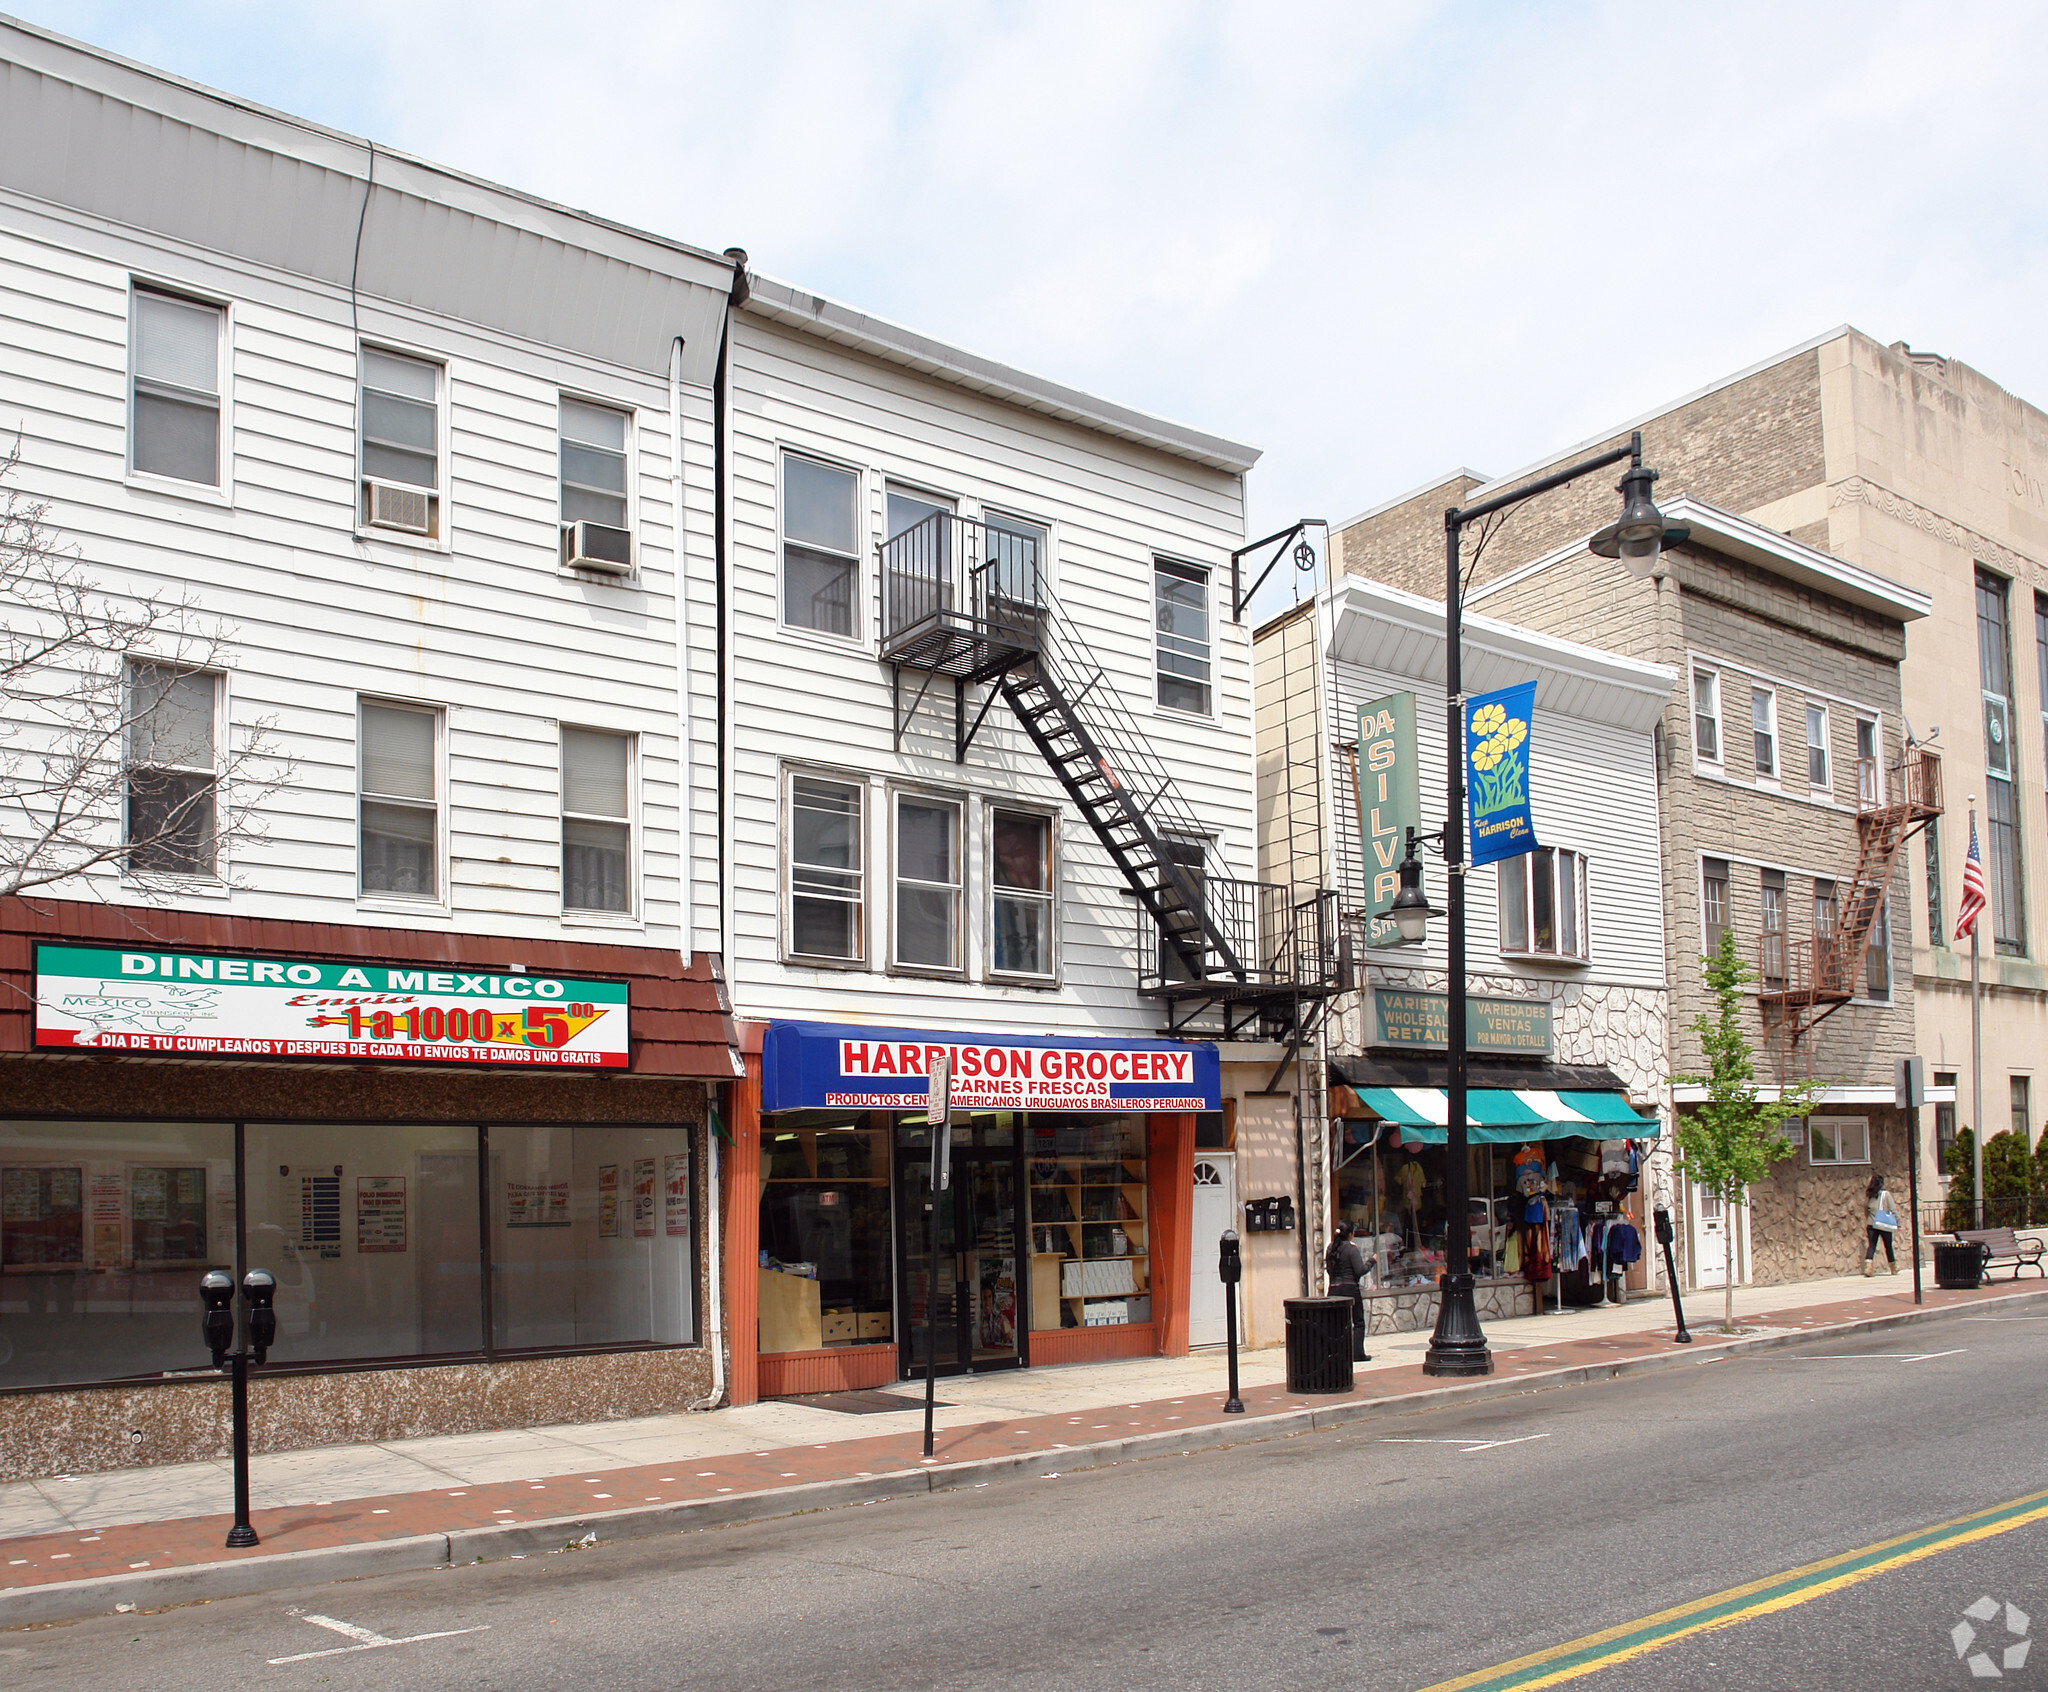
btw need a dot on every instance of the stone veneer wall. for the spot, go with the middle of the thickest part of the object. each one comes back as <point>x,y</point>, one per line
<point>1408,1310</point>
<point>1807,1221</point>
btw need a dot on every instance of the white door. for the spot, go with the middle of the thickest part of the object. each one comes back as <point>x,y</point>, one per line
<point>1709,1240</point>
<point>1215,1209</point>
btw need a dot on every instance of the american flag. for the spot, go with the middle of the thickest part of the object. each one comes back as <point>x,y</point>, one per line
<point>1973,889</point>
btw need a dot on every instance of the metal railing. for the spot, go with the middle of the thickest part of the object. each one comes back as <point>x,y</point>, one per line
<point>1281,941</point>
<point>955,574</point>
<point>1914,782</point>
<point>2001,1210</point>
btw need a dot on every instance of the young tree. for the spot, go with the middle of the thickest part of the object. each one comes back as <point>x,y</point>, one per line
<point>1731,1140</point>
<point>110,755</point>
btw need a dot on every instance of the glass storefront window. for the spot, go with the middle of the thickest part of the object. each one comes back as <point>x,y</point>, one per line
<point>826,1274</point>
<point>1089,1233</point>
<point>105,1228</point>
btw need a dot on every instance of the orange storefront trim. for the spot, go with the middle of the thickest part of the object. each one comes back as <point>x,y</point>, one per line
<point>1170,1200</point>
<point>839,1368</point>
<point>1053,1347</point>
<point>742,1223</point>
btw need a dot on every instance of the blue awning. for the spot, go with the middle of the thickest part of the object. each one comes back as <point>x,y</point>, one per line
<point>845,1066</point>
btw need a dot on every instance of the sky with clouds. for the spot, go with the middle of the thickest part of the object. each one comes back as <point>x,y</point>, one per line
<point>1379,240</point>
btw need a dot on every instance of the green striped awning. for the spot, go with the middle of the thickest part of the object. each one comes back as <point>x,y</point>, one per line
<point>1510,1115</point>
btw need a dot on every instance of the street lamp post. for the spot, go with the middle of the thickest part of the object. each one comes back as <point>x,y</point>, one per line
<point>1458,1345</point>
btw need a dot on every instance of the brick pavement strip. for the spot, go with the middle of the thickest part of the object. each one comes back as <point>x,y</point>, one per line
<point>153,1565</point>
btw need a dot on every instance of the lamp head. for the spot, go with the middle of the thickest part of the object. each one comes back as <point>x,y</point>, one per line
<point>1638,538</point>
<point>1411,909</point>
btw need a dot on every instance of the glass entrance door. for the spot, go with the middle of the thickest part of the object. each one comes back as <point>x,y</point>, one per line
<point>974,1296</point>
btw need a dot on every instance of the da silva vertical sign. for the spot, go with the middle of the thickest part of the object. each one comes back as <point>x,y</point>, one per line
<point>1497,772</point>
<point>1389,794</point>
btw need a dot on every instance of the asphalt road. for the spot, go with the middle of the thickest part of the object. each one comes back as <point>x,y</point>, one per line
<point>1387,1557</point>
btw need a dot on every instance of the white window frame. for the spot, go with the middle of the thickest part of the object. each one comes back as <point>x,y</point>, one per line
<point>857,635</point>
<point>990,892</point>
<point>631,915</point>
<point>1826,781</point>
<point>1831,1128</point>
<point>863,903</point>
<point>220,491</point>
<point>439,900</point>
<point>1164,564</point>
<point>898,795</point>
<point>200,879</point>
<point>1871,793</point>
<point>1712,677</point>
<point>1708,939</point>
<point>1769,696</point>
<point>631,454</point>
<point>1517,877</point>
<point>438,539</point>
<point>999,515</point>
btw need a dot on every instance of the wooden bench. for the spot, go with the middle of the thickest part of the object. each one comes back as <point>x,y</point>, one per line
<point>2001,1245</point>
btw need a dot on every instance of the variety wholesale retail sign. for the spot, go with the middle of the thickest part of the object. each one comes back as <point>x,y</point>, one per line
<point>192,1004</point>
<point>1389,804</point>
<point>1497,772</point>
<point>825,1066</point>
<point>1423,1021</point>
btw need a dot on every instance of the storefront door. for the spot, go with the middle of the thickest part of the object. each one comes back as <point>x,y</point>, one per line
<point>1215,1209</point>
<point>1709,1240</point>
<point>976,1291</point>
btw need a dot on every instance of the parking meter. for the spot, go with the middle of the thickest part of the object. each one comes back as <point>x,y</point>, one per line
<point>259,1287</point>
<point>1229,1261</point>
<point>1662,1219</point>
<point>217,1325</point>
<point>1230,1270</point>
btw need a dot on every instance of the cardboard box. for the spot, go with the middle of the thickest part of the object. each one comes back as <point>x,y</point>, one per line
<point>874,1324</point>
<point>840,1326</point>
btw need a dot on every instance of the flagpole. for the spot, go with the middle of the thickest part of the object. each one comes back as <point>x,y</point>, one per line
<point>1976,1051</point>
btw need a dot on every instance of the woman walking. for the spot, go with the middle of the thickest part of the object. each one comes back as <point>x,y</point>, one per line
<point>1882,1222</point>
<point>1344,1263</point>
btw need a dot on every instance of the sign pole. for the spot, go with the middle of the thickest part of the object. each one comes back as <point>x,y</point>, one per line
<point>938,1114</point>
<point>1911,1095</point>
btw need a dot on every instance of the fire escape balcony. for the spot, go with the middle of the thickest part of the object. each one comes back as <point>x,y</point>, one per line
<point>1280,957</point>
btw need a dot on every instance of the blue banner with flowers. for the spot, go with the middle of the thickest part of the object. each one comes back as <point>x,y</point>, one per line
<point>1497,772</point>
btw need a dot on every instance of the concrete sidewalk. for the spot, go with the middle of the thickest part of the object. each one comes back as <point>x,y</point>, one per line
<point>76,1544</point>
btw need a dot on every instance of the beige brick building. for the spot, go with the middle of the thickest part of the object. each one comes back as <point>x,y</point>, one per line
<point>1896,468</point>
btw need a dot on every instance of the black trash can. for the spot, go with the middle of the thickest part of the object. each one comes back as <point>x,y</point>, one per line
<point>1318,1344</point>
<point>1959,1265</point>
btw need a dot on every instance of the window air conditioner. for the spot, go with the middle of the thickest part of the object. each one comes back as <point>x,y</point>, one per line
<point>598,546</point>
<point>394,505</point>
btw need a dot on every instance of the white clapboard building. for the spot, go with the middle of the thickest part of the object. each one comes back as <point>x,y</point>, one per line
<point>1568,1032</point>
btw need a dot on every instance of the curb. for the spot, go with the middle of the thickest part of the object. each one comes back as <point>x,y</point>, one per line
<point>160,1589</point>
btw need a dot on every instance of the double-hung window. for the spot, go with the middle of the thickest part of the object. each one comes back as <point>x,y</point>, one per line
<point>928,882</point>
<point>824,897</point>
<point>820,548</point>
<point>1817,748</point>
<point>174,419</point>
<point>595,526</point>
<point>1763,722</point>
<point>1771,893</point>
<point>1824,909</point>
<point>1944,1114</point>
<point>172,770</point>
<point>917,558</point>
<point>399,800</point>
<point>1713,903</point>
<point>400,413</point>
<point>2022,1109</point>
<point>1021,893</point>
<point>1180,597</point>
<point>1869,778</point>
<point>1543,904</point>
<point>2001,777</point>
<point>597,822</point>
<point>1877,961</point>
<point>1706,716</point>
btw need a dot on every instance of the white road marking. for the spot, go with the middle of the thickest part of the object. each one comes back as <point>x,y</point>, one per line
<point>1472,1446</point>
<point>1891,1356</point>
<point>365,1639</point>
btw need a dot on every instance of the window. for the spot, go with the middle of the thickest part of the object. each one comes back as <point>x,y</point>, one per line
<point>918,557</point>
<point>1021,885</point>
<point>1823,908</point>
<point>1713,903</point>
<point>1019,552</point>
<point>597,829</point>
<point>1180,595</point>
<point>1817,747</point>
<point>593,468</point>
<point>174,424</point>
<point>1543,904</point>
<point>401,424</point>
<point>1771,886</point>
<point>2022,1114</point>
<point>1944,1115</point>
<point>820,546</point>
<point>2041,661</point>
<point>1877,961</point>
<point>927,882</point>
<point>1191,857</point>
<point>401,821</point>
<point>2001,804</point>
<point>1838,1139</point>
<point>171,770</point>
<point>1706,715</point>
<point>1763,721</point>
<point>828,1268</point>
<point>825,893</point>
<point>1867,773</point>
<point>1088,1190</point>
<point>1937,923</point>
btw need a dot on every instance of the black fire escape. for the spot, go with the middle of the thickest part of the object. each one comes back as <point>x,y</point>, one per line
<point>967,601</point>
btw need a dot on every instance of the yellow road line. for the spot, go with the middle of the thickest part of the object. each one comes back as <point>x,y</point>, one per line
<point>1596,1651</point>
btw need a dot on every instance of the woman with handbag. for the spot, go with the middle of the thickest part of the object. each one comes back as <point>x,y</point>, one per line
<point>1344,1263</point>
<point>1883,1223</point>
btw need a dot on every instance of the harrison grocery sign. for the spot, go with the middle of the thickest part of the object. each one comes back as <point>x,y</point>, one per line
<point>191,1004</point>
